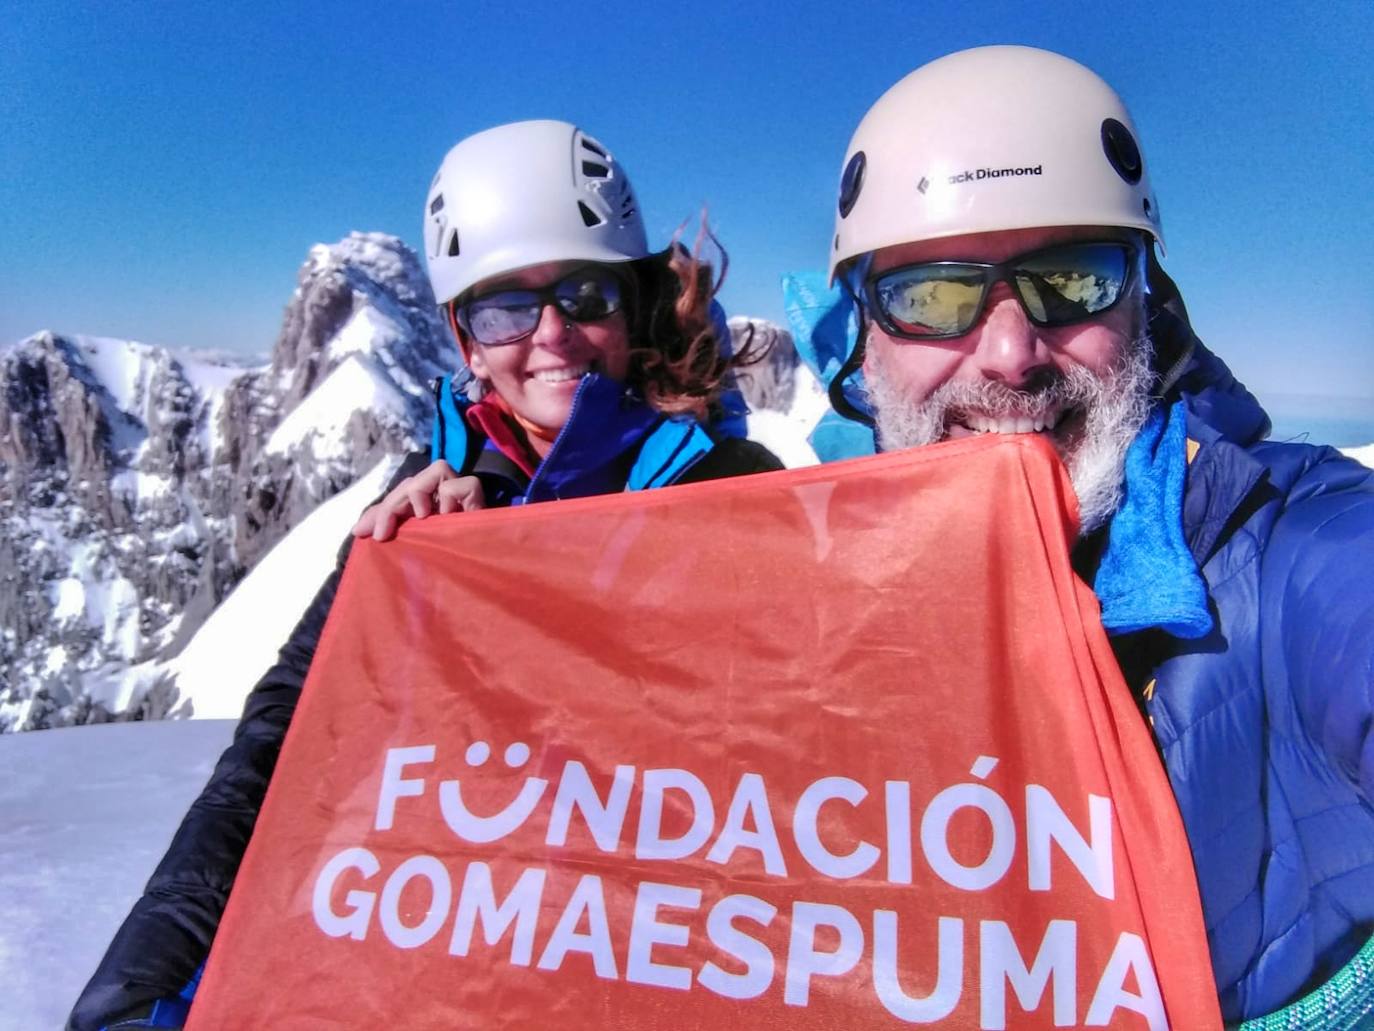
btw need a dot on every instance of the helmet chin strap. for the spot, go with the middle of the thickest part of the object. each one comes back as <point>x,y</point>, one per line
<point>851,281</point>
<point>1168,324</point>
<point>852,364</point>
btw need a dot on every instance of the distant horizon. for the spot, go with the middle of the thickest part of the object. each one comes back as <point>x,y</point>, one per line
<point>1322,397</point>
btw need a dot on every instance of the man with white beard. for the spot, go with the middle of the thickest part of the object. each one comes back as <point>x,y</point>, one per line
<point>996,226</point>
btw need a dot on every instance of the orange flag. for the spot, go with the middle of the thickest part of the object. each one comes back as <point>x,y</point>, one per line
<point>834,748</point>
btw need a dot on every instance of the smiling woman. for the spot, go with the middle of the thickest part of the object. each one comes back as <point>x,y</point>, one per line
<point>596,366</point>
<point>595,360</point>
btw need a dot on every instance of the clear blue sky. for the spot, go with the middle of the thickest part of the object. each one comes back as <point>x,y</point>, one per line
<point>164,167</point>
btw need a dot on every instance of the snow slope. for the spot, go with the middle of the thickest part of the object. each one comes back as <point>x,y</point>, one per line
<point>85,815</point>
<point>239,641</point>
<point>785,433</point>
<point>357,384</point>
<point>1363,455</point>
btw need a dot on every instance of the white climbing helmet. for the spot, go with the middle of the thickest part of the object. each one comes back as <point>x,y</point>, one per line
<point>994,138</point>
<point>523,194</point>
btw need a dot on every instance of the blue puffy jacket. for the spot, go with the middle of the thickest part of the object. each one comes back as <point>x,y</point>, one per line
<point>1265,724</point>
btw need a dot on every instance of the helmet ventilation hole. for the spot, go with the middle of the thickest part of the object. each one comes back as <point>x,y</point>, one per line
<point>595,170</point>
<point>589,145</point>
<point>453,245</point>
<point>590,218</point>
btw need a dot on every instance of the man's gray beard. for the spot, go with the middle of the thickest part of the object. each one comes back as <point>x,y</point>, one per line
<point>1115,406</point>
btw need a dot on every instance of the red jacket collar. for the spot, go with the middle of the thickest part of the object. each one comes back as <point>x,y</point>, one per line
<point>493,417</point>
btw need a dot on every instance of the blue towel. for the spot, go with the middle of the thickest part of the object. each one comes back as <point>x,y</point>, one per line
<point>1148,577</point>
<point>824,324</point>
<point>825,328</point>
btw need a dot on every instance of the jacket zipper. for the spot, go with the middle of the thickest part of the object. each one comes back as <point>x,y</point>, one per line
<point>553,451</point>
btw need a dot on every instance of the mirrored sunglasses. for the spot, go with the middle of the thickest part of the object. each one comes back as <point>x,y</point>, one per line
<point>1056,286</point>
<point>505,316</point>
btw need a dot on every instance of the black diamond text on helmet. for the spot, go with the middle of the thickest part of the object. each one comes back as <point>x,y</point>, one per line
<point>993,173</point>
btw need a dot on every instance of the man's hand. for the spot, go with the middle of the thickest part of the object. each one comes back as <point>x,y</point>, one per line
<point>437,489</point>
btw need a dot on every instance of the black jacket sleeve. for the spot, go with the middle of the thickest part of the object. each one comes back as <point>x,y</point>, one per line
<point>732,457</point>
<point>166,937</point>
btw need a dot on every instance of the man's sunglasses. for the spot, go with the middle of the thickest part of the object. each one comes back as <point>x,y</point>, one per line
<point>505,316</point>
<point>1057,286</point>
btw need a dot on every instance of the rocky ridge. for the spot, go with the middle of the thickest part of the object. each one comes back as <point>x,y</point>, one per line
<point>770,382</point>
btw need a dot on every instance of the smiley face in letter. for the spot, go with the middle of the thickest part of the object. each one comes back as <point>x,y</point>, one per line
<point>483,829</point>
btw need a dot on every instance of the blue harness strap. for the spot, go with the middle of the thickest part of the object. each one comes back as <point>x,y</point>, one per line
<point>451,439</point>
<point>674,446</point>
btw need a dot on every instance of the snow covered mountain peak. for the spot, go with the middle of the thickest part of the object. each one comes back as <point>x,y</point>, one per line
<point>366,293</point>
<point>375,259</point>
<point>138,484</point>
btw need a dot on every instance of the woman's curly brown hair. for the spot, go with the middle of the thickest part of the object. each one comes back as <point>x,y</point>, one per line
<point>676,359</point>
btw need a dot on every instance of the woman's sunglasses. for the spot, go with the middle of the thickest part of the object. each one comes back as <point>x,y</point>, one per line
<point>505,316</point>
<point>1056,286</point>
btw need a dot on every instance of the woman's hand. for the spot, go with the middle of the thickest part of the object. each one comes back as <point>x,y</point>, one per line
<point>436,489</point>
